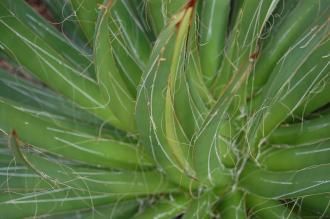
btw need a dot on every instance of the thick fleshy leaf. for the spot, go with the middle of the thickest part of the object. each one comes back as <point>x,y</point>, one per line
<point>315,100</point>
<point>213,30</point>
<point>318,204</point>
<point>165,208</point>
<point>39,58</point>
<point>161,11</point>
<point>201,207</point>
<point>130,43</point>
<point>296,157</point>
<point>154,111</point>
<point>233,206</point>
<point>16,206</point>
<point>37,99</point>
<point>17,178</point>
<point>243,42</point>
<point>263,208</point>
<point>44,134</point>
<point>87,12</point>
<point>302,69</point>
<point>60,175</point>
<point>117,210</point>
<point>309,131</point>
<point>64,16</point>
<point>303,16</point>
<point>286,184</point>
<point>111,84</point>
<point>77,57</point>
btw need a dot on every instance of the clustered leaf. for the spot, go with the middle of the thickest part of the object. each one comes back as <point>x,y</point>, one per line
<point>165,109</point>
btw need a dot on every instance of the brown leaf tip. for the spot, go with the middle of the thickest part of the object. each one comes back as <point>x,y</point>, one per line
<point>254,56</point>
<point>190,4</point>
<point>105,6</point>
<point>177,25</point>
<point>14,134</point>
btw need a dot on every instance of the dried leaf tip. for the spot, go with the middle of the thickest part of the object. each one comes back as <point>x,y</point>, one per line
<point>254,56</point>
<point>14,134</point>
<point>105,6</point>
<point>190,4</point>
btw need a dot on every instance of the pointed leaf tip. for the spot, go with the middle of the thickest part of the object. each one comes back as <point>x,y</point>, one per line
<point>191,4</point>
<point>14,134</point>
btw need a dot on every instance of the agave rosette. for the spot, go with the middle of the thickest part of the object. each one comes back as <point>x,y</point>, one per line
<point>163,109</point>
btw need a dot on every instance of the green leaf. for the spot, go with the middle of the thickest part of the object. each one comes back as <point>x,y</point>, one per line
<point>130,43</point>
<point>296,157</point>
<point>117,210</point>
<point>16,206</point>
<point>40,100</point>
<point>18,178</point>
<point>161,11</point>
<point>316,99</point>
<point>201,206</point>
<point>303,16</point>
<point>317,203</point>
<point>263,208</point>
<point>285,184</point>
<point>303,67</point>
<point>60,175</point>
<point>47,32</point>
<point>308,131</point>
<point>63,14</point>
<point>154,113</point>
<point>87,12</point>
<point>165,208</point>
<point>39,58</point>
<point>211,151</point>
<point>243,42</point>
<point>110,82</point>
<point>233,206</point>
<point>213,30</point>
<point>43,133</point>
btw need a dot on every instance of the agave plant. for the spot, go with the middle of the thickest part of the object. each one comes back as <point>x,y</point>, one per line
<point>165,108</point>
